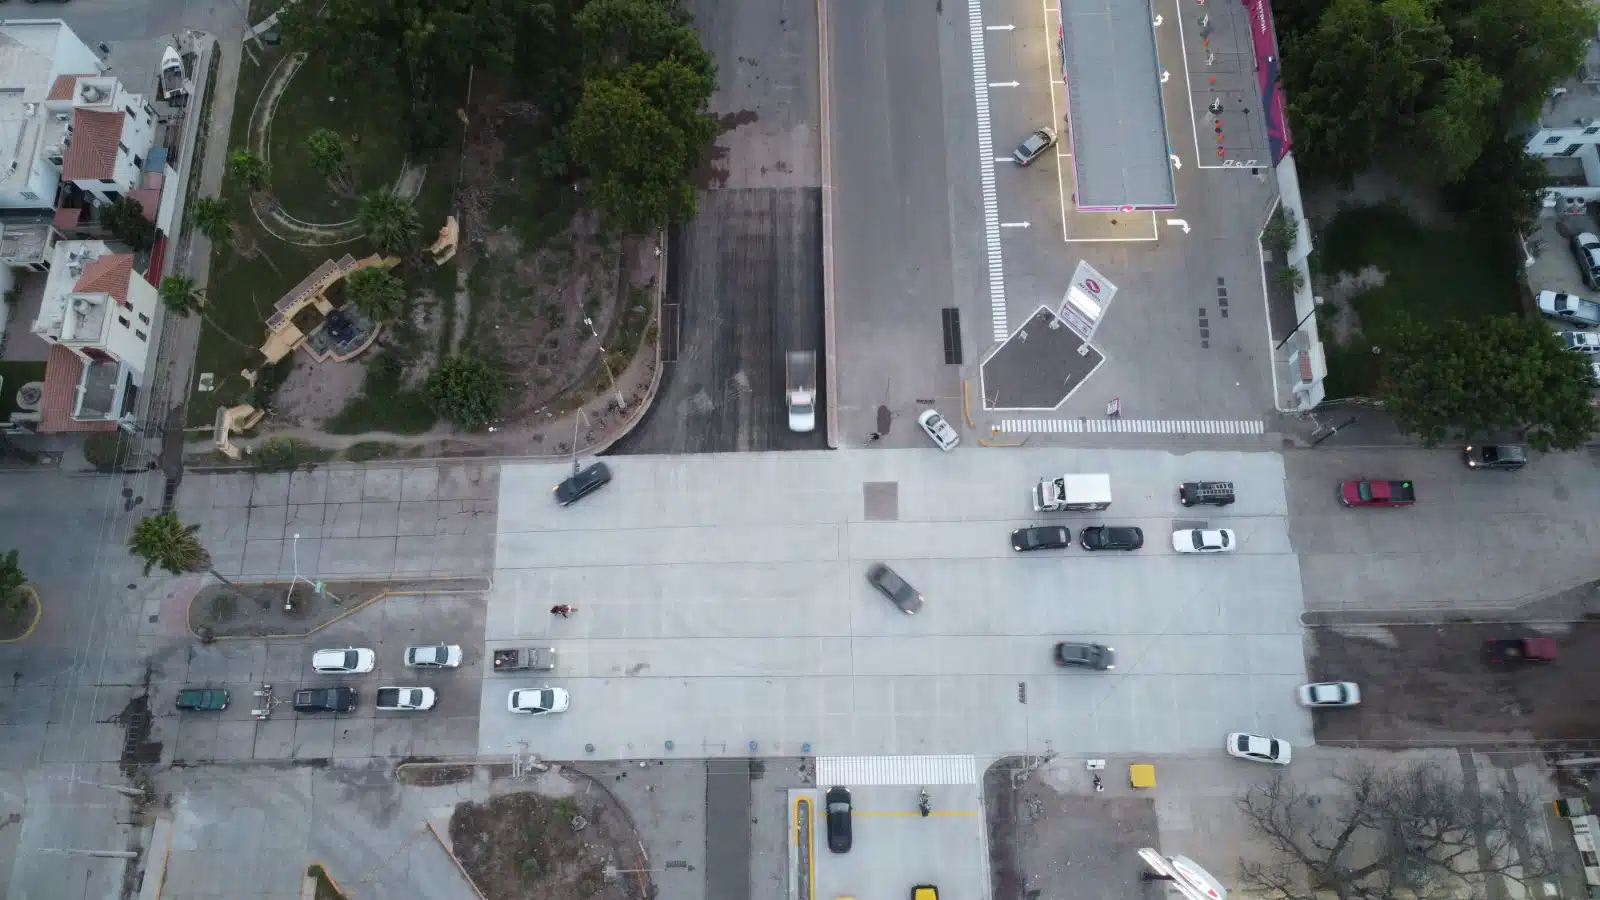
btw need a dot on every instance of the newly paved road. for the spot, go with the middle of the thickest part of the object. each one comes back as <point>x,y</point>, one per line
<point>721,601</point>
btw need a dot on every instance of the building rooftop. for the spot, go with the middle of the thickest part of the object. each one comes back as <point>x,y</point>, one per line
<point>85,279</point>
<point>27,57</point>
<point>93,153</point>
<point>1114,108</point>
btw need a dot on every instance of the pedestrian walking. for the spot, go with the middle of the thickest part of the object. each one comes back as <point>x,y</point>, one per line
<point>563,610</point>
<point>874,437</point>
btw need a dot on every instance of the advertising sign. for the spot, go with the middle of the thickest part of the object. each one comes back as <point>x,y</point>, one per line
<point>1086,300</point>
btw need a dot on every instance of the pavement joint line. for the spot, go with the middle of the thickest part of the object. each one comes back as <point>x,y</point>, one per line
<point>991,212</point>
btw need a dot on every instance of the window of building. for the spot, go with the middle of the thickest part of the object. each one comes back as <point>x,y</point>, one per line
<point>129,111</point>
<point>124,322</point>
<point>140,334</point>
<point>144,318</point>
<point>138,162</point>
<point>1592,129</point>
<point>123,147</point>
<point>108,181</point>
<point>1553,139</point>
<point>29,195</point>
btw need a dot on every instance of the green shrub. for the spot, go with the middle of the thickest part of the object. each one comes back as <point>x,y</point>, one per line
<point>287,454</point>
<point>565,808</point>
<point>466,390</point>
<point>370,450</point>
<point>530,868</point>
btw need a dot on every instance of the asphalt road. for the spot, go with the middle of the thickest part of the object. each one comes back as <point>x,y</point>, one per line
<point>1430,684</point>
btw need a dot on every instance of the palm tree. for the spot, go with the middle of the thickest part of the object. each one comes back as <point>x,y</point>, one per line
<point>162,540</point>
<point>378,294</point>
<point>249,169</point>
<point>181,296</point>
<point>390,221</point>
<point>213,217</point>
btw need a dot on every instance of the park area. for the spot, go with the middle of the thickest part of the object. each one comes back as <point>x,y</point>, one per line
<point>535,288</point>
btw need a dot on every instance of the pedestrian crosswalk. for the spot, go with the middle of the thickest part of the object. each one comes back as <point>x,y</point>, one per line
<point>1132,426</point>
<point>897,770</point>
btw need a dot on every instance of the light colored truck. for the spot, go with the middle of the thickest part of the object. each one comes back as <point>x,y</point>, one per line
<point>800,389</point>
<point>406,698</point>
<point>1072,493</point>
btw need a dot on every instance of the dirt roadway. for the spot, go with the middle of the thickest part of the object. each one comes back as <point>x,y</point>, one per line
<point>1429,684</point>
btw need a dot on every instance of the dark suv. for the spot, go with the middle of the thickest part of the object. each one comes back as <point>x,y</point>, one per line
<point>582,484</point>
<point>1205,493</point>
<point>334,699</point>
<point>1085,656</point>
<point>1111,537</point>
<point>1495,456</point>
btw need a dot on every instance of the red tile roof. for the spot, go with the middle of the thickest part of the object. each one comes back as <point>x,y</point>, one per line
<point>64,86</point>
<point>93,153</point>
<point>107,274</point>
<point>61,374</point>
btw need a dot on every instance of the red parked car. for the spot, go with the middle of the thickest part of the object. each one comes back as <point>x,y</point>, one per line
<point>1374,492</point>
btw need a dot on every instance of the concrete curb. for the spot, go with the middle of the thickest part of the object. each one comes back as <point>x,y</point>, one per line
<point>655,379</point>
<point>309,880</point>
<point>38,613</point>
<point>829,346</point>
<point>451,853</point>
<point>189,609</point>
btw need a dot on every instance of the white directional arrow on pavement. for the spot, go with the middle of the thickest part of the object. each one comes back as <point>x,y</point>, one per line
<point>1176,162</point>
<point>1165,75</point>
<point>1004,83</point>
<point>1013,224</point>
<point>1001,28</point>
<point>1181,223</point>
<point>1157,22</point>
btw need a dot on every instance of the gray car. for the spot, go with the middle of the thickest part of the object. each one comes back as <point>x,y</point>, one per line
<point>1034,146</point>
<point>1085,656</point>
<point>1586,250</point>
<point>895,588</point>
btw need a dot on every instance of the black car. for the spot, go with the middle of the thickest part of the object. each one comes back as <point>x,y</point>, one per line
<point>1495,456</point>
<point>838,800</point>
<point>1206,493</point>
<point>1086,656</point>
<point>895,588</point>
<point>1041,537</point>
<point>334,699</point>
<point>203,699</point>
<point>582,484</point>
<point>1111,537</point>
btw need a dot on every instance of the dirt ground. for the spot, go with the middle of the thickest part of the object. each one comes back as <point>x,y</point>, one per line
<point>257,609</point>
<point>1047,843</point>
<point>524,845</point>
<point>1429,683</point>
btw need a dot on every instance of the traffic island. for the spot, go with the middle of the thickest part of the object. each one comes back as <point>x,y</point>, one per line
<point>297,608</point>
<point>20,622</point>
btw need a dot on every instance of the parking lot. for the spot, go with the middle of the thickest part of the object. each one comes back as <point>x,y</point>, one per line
<point>387,627</point>
<point>1429,683</point>
<point>896,848</point>
<point>721,607</point>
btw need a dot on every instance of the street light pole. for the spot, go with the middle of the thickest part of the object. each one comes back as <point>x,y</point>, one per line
<point>1315,303</point>
<point>612,378</point>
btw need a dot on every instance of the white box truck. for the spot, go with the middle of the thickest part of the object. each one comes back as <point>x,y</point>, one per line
<point>1072,493</point>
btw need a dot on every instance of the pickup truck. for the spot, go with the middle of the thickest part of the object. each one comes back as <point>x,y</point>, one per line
<point>540,659</point>
<point>1518,650</point>
<point>1375,492</point>
<point>1569,308</point>
<point>393,698</point>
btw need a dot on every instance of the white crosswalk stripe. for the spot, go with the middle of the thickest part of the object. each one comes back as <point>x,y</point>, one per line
<point>991,213</point>
<point>896,770</point>
<point>1132,426</point>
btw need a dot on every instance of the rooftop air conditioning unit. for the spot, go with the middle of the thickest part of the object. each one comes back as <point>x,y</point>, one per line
<point>93,93</point>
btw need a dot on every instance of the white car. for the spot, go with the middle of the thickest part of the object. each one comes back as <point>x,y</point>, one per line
<point>1594,372</point>
<point>346,661</point>
<point>938,429</point>
<point>538,701</point>
<point>445,656</point>
<point>1330,693</point>
<point>1204,540</point>
<point>1256,748</point>
<point>405,698</point>
<point>1581,341</point>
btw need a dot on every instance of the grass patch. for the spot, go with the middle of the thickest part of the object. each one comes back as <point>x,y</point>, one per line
<point>1466,271</point>
<point>384,404</point>
<point>283,454</point>
<point>13,375</point>
<point>368,115</point>
<point>370,450</point>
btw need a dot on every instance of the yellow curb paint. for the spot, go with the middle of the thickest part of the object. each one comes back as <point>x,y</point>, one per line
<point>38,613</point>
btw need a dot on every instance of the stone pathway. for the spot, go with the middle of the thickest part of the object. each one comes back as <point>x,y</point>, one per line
<point>268,211</point>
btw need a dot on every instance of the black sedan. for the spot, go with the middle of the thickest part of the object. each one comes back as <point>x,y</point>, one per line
<point>839,838</point>
<point>1041,537</point>
<point>582,484</point>
<point>1111,537</point>
<point>334,699</point>
<point>901,594</point>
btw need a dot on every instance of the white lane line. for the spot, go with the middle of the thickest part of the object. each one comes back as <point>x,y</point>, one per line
<point>991,210</point>
<point>1132,426</point>
<point>1055,115</point>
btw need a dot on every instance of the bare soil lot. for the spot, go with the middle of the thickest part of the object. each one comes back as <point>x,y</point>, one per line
<point>1429,683</point>
<point>542,848</point>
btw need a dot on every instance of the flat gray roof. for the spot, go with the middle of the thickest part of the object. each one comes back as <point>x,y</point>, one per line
<point>1114,108</point>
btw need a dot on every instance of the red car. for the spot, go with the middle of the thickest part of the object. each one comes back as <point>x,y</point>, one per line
<point>1517,650</point>
<point>1377,493</point>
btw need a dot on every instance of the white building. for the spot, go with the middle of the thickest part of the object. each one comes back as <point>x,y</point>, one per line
<point>97,314</point>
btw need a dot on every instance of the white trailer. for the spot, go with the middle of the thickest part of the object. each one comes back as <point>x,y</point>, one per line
<point>1072,493</point>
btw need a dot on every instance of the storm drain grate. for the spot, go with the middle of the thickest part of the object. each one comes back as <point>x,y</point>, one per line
<point>952,335</point>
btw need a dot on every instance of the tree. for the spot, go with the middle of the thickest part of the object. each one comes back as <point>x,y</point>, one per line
<point>616,34</point>
<point>1488,375</point>
<point>249,170</point>
<point>1289,278</point>
<point>329,155</point>
<point>390,222</point>
<point>181,296</point>
<point>1461,120</point>
<point>661,107</point>
<point>213,217</point>
<point>1415,832</point>
<point>1282,230</point>
<point>466,390</point>
<point>1503,185</point>
<point>377,293</point>
<point>162,540</point>
<point>126,221</point>
<point>13,602</point>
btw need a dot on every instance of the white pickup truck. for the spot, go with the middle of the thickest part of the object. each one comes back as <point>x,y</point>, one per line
<point>406,698</point>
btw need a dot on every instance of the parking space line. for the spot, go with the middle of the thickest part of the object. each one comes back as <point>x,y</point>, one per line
<point>1132,426</point>
<point>991,212</point>
<point>1055,116</point>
